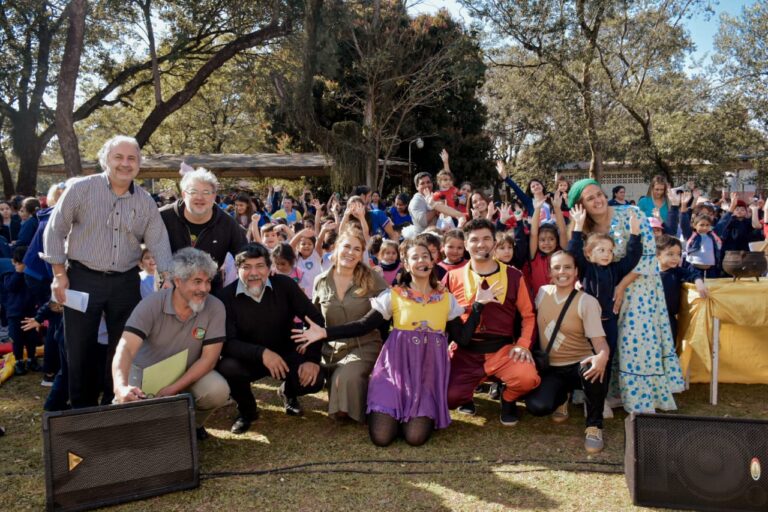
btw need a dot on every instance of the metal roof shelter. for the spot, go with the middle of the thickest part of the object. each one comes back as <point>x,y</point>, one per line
<point>232,165</point>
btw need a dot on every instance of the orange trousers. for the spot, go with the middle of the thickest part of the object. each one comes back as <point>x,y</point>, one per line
<point>469,369</point>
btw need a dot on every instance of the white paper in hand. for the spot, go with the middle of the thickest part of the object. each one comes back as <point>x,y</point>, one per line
<point>76,300</point>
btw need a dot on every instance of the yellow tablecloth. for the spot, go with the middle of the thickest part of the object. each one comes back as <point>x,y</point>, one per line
<point>742,307</point>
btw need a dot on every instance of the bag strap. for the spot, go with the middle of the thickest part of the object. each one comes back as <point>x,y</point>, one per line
<point>560,320</point>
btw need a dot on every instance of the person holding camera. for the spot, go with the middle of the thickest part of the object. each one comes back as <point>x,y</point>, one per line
<point>572,335</point>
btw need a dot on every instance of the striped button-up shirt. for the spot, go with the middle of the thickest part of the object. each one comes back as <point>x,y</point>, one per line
<point>103,231</point>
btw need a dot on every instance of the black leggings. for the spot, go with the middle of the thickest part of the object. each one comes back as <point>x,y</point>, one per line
<point>383,429</point>
<point>557,382</point>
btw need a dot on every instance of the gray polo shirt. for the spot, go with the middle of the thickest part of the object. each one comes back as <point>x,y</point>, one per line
<point>164,334</point>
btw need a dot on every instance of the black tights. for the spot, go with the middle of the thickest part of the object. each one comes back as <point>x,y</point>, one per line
<point>383,429</point>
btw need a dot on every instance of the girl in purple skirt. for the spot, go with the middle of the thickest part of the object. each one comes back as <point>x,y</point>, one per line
<point>408,386</point>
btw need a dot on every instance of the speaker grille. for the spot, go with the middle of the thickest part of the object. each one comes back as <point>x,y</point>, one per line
<point>700,463</point>
<point>116,453</point>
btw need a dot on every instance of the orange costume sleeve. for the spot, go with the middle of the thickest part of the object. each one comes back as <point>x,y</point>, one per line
<point>527,313</point>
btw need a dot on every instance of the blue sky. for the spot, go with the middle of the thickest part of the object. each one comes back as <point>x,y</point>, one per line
<point>702,30</point>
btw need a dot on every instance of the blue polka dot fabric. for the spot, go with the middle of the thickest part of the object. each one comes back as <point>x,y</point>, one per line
<point>648,367</point>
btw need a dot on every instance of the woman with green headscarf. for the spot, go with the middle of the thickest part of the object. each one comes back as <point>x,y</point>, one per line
<point>648,370</point>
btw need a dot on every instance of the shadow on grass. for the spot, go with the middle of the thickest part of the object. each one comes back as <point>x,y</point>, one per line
<point>314,463</point>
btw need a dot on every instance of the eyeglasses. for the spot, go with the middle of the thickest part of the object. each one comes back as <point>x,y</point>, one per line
<point>204,193</point>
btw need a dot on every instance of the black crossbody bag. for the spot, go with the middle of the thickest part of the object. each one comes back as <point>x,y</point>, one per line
<point>541,357</point>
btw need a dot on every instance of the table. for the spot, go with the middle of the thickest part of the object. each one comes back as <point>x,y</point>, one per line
<point>723,338</point>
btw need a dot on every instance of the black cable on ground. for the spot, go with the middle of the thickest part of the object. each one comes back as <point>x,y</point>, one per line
<point>561,465</point>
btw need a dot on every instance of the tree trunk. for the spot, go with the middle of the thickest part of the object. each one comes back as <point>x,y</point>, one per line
<point>146,8</point>
<point>5,169</point>
<point>8,189</point>
<point>593,139</point>
<point>65,97</point>
<point>28,157</point>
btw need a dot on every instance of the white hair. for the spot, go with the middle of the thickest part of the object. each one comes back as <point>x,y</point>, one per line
<point>189,261</point>
<point>110,145</point>
<point>200,175</point>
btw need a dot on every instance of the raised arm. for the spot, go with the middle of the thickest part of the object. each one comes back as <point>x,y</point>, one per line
<point>520,193</point>
<point>533,238</point>
<point>576,243</point>
<point>562,232</point>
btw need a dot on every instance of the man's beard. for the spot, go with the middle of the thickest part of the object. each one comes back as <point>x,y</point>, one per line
<point>195,306</point>
<point>255,291</point>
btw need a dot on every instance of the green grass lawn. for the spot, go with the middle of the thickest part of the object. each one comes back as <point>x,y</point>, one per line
<point>313,463</point>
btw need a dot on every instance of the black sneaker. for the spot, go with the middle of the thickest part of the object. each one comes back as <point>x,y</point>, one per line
<point>468,408</point>
<point>291,404</point>
<point>33,365</point>
<point>20,368</point>
<point>509,417</point>
<point>201,433</point>
<point>240,426</point>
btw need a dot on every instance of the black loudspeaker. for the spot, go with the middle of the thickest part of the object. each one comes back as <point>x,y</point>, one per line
<point>697,463</point>
<point>105,455</point>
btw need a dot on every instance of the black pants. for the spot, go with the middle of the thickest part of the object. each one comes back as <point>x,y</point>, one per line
<point>557,382</point>
<point>114,296</point>
<point>240,374</point>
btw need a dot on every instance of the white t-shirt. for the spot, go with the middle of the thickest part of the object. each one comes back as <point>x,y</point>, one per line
<point>310,268</point>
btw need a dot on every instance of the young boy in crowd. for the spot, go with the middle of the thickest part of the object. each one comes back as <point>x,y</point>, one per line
<point>20,305</point>
<point>148,268</point>
<point>669,252</point>
<point>435,248</point>
<point>269,236</point>
<point>447,191</point>
<point>704,247</point>
<point>600,274</point>
<point>453,248</point>
<point>53,312</point>
<point>505,248</point>
<point>736,228</point>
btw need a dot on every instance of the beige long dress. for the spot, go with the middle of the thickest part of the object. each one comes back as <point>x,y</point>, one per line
<point>348,362</point>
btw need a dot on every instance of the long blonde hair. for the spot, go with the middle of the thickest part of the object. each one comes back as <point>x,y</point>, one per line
<point>362,276</point>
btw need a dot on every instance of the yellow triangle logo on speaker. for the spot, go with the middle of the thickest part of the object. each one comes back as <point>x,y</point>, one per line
<point>74,460</point>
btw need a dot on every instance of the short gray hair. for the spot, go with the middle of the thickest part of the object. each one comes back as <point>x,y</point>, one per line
<point>202,175</point>
<point>110,145</point>
<point>189,261</point>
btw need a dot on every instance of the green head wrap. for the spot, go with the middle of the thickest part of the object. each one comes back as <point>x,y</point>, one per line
<point>577,188</point>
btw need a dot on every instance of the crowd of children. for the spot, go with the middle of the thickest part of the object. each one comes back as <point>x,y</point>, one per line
<point>691,232</point>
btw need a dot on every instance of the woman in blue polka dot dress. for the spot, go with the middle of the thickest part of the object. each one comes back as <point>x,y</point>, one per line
<point>648,367</point>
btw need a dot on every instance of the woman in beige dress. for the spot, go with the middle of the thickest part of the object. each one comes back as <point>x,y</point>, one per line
<point>343,294</point>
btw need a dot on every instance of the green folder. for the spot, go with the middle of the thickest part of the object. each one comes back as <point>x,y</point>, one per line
<point>154,378</point>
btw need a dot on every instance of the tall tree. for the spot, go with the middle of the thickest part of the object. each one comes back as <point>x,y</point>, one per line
<point>65,95</point>
<point>377,68</point>
<point>742,56</point>
<point>562,35</point>
<point>202,35</point>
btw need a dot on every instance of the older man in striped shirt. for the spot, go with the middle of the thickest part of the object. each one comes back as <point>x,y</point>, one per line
<point>92,241</point>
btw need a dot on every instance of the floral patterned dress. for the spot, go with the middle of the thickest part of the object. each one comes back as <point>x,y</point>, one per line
<point>648,367</point>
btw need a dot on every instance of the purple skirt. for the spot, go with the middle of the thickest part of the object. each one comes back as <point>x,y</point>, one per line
<point>410,378</point>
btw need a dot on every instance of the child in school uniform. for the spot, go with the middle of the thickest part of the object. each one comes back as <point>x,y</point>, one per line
<point>669,252</point>
<point>19,305</point>
<point>600,275</point>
